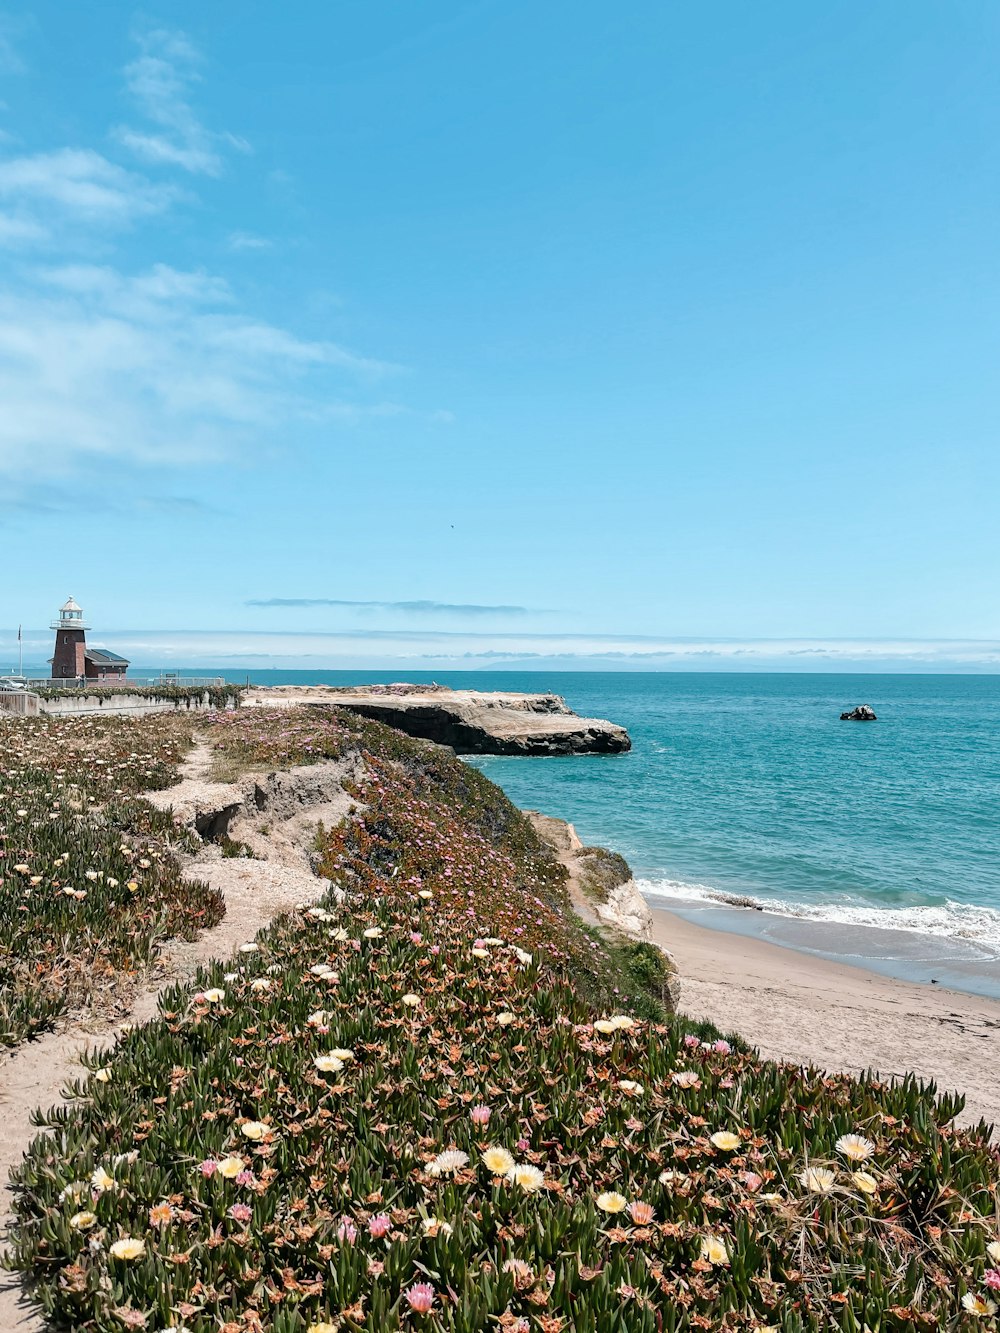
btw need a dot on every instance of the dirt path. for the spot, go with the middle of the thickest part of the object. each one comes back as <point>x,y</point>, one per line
<point>276,816</point>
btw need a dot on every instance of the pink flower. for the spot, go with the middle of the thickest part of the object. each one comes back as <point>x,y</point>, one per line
<point>415,937</point>
<point>641,1213</point>
<point>992,1278</point>
<point>347,1232</point>
<point>752,1181</point>
<point>246,1178</point>
<point>691,1042</point>
<point>721,1047</point>
<point>435,948</point>
<point>241,1212</point>
<point>421,1297</point>
<point>523,1145</point>
<point>208,1167</point>
<point>480,1115</point>
<point>379,1225</point>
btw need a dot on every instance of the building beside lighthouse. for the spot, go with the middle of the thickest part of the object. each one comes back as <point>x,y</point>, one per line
<point>73,660</point>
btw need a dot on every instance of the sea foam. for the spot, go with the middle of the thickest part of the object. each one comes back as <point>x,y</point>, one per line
<point>973,924</point>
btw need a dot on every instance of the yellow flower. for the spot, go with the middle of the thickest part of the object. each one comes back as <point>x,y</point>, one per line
<point>128,1248</point>
<point>255,1129</point>
<point>230,1167</point>
<point>505,1019</point>
<point>612,1202</point>
<point>622,1022</point>
<point>425,894</point>
<point>855,1147</point>
<point>818,1179</point>
<point>82,1221</point>
<point>326,1064</point>
<point>605,1026</point>
<point>864,1182</point>
<point>343,1053</point>
<point>498,1160</point>
<point>528,1178</point>
<point>480,953</point>
<point>373,933</point>
<point>323,1327</point>
<point>714,1250</point>
<point>725,1140</point>
<point>411,1000</point>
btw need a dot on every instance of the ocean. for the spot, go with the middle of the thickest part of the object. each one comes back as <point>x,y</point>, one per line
<point>877,843</point>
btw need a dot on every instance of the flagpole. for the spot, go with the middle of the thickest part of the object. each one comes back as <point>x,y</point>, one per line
<point>20,653</point>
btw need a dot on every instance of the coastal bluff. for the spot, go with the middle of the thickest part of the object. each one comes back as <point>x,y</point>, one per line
<point>468,721</point>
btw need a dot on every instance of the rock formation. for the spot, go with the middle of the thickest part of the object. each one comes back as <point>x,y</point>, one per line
<point>863,713</point>
<point>468,721</point>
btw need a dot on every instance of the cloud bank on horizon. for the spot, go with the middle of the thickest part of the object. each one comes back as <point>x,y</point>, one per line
<point>441,650</point>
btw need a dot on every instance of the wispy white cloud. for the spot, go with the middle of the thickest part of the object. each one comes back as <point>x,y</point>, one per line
<point>246,240</point>
<point>83,183</point>
<point>156,367</point>
<point>160,365</point>
<point>160,80</point>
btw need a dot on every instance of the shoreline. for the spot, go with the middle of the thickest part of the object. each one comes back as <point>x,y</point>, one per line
<point>800,1008</point>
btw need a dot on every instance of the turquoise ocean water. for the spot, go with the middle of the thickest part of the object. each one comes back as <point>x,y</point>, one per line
<point>883,838</point>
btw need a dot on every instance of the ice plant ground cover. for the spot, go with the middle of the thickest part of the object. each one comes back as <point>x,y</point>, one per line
<point>420,1105</point>
<point>89,884</point>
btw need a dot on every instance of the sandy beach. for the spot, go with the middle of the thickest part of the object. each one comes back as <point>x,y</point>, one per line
<point>804,1009</point>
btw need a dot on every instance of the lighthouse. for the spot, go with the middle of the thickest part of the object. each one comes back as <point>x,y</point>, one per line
<point>73,660</point>
<point>69,661</point>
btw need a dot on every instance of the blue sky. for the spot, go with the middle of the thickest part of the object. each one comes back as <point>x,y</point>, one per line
<point>494,332</point>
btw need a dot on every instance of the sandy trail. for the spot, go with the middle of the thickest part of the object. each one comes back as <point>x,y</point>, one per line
<point>805,1010</point>
<point>255,891</point>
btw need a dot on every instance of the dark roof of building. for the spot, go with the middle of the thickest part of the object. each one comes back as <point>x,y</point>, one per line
<point>101,658</point>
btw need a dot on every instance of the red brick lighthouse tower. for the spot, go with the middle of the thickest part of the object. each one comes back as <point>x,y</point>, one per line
<point>69,662</point>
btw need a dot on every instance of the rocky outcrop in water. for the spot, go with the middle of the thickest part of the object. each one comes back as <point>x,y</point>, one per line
<point>468,721</point>
<point>863,713</point>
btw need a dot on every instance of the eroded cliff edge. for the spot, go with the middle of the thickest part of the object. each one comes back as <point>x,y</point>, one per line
<point>468,721</point>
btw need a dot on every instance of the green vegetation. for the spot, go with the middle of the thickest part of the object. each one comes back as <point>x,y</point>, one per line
<point>219,696</point>
<point>431,1102</point>
<point>89,883</point>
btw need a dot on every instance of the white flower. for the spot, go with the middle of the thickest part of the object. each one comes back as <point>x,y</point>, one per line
<point>447,1163</point>
<point>214,996</point>
<point>855,1147</point>
<point>627,1085</point>
<point>978,1305</point>
<point>411,1000</point>
<point>528,1178</point>
<point>498,1160</point>
<point>328,1064</point>
<point>993,1250</point>
<point>433,1226</point>
<point>684,1078</point>
<point>521,955</point>
<point>128,1248</point>
<point>818,1179</point>
<point>101,1181</point>
<point>714,1250</point>
<point>373,933</point>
